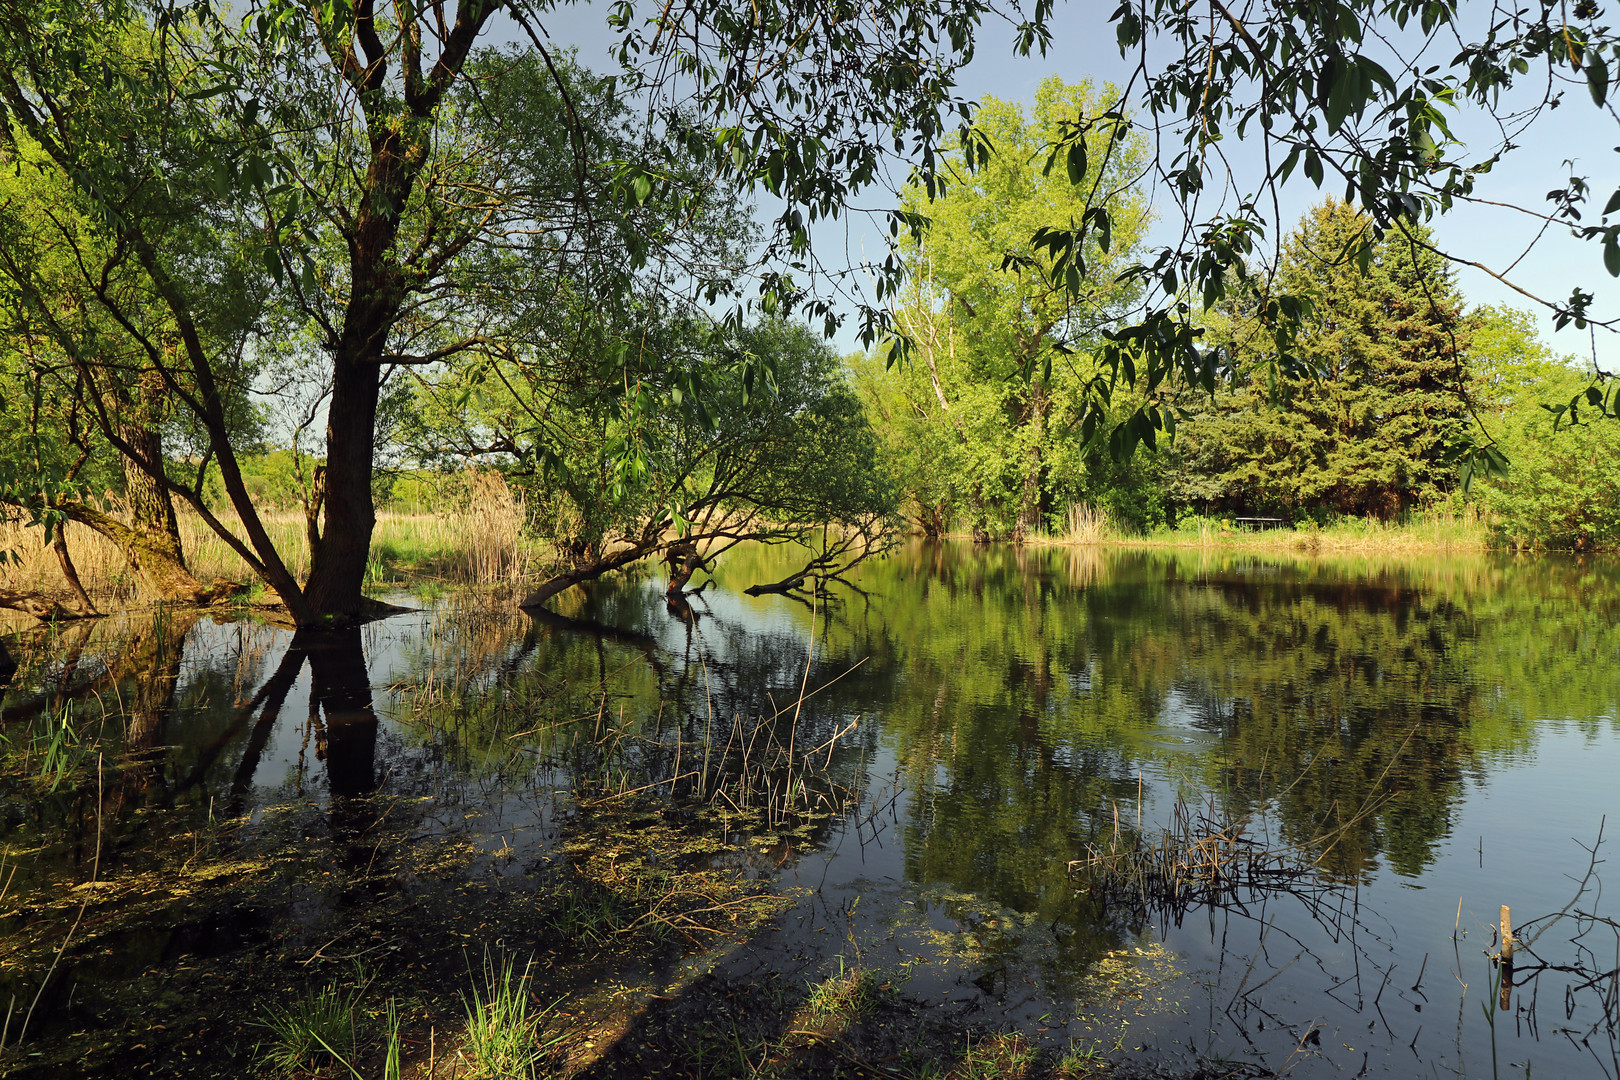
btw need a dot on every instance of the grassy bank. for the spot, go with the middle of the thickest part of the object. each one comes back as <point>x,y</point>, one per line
<point>1422,531</point>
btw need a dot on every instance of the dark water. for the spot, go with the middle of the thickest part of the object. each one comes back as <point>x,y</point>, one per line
<point>1451,723</point>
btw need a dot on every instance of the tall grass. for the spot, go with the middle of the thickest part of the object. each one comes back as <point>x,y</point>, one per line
<point>1436,529</point>
<point>1087,524</point>
<point>475,537</point>
<point>505,1039</point>
<point>494,522</point>
<point>311,1031</point>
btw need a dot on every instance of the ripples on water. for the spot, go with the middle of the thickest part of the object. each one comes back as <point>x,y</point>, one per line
<point>1451,722</point>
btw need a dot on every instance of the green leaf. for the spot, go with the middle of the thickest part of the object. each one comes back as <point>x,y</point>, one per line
<point>222,176</point>
<point>1077,161</point>
<point>1597,78</point>
<point>1288,165</point>
<point>212,91</point>
<point>1611,256</point>
<point>1313,167</point>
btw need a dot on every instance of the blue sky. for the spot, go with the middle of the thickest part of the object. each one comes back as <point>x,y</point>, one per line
<point>1084,45</point>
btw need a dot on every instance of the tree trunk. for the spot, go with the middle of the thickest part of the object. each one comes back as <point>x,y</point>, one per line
<point>977,515</point>
<point>81,599</point>
<point>150,543</point>
<point>40,607</point>
<point>151,662</point>
<point>932,520</point>
<point>1029,505</point>
<point>151,512</point>
<point>341,686</point>
<point>684,561</point>
<point>164,576</point>
<point>783,587</point>
<point>272,696</point>
<point>337,568</point>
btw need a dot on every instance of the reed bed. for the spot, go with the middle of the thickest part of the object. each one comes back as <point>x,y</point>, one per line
<point>746,774</point>
<point>1442,529</point>
<point>493,529</point>
<point>475,537</point>
<point>1087,524</point>
<point>768,775</point>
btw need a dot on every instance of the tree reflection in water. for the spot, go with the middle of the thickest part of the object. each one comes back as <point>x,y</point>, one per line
<point>1019,702</point>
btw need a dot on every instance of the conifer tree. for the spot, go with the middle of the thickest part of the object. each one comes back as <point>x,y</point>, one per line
<point>1370,433</point>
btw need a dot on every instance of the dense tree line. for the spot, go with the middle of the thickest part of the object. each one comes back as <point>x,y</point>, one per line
<point>1371,428</point>
<point>1395,371</point>
<point>221,221</point>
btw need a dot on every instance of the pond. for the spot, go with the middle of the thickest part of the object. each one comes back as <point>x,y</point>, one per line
<point>1381,753</point>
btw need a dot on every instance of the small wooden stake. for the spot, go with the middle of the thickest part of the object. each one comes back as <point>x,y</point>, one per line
<point>1506,1001</point>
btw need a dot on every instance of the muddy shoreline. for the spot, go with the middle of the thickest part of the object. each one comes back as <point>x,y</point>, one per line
<point>658,944</point>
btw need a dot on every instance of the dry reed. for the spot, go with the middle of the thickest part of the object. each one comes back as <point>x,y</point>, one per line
<point>1202,858</point>
<point>1088,524</point>
<point>494,520</point>
<point>478,539</point>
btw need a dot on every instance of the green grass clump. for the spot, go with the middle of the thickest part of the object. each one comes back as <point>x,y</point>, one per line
<point>1000,1057</point>
<point>851,993</point>
<point>309,1033</point>
<point>1082,1061</point>
<point>505,1039</point>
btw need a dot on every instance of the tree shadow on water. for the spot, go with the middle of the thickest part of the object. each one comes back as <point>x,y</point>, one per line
<point>754,1015</point>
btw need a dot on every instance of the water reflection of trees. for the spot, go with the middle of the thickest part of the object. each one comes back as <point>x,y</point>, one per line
<point>159,709</point>
<point>612,694</point>
<point>1022,690</point>
<point>1028,688</point>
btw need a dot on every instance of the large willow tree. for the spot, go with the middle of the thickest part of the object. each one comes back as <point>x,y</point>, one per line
<point>174,151</point>
<point>323,196</point>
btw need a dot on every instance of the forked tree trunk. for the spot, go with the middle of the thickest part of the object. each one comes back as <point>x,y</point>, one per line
<point>684,561</point>
<point>379,284</point>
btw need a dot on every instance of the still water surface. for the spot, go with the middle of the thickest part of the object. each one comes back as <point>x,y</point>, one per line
<point>1451,722</point>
